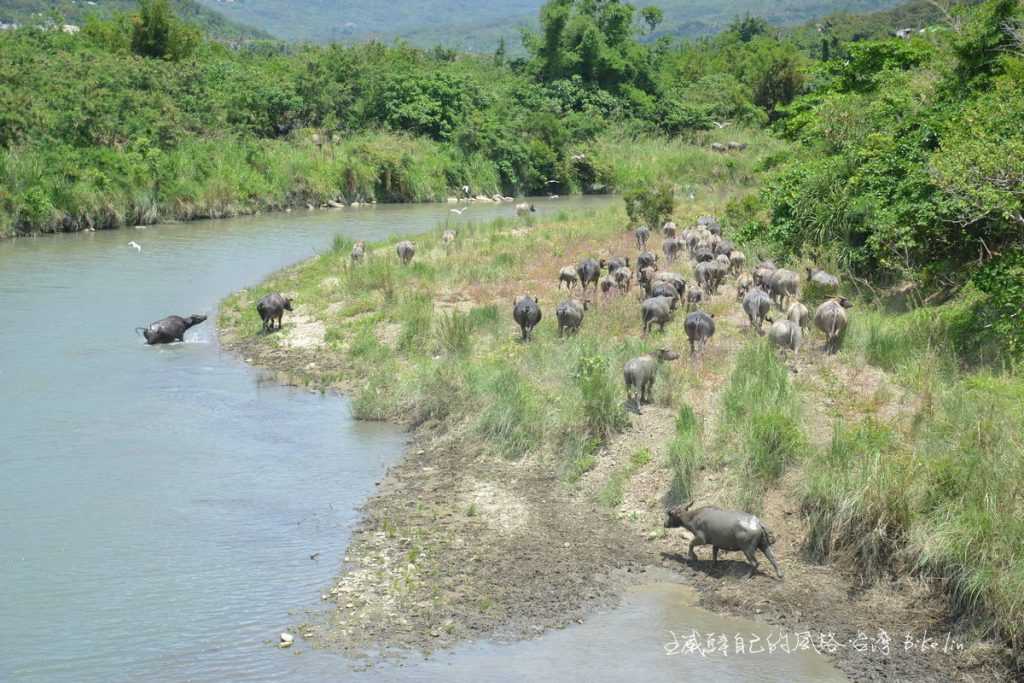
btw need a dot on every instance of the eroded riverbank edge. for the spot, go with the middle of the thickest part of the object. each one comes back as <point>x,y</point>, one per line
<point>454,547</point>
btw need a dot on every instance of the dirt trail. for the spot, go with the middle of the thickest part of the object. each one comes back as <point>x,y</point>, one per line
<point>455,546</point>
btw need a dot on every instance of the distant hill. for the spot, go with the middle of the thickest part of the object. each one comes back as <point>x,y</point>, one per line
<point>478,25</point>
<point>33,12</point>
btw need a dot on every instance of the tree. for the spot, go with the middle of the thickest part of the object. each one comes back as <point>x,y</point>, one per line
<point>747,27</point>
<point>158,34</point>
<point>500,52</point>
<point>652,206</point>
<point>652,16</point>
<point>591,39</point>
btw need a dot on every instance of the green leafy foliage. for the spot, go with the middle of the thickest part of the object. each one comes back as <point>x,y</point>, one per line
<point>157,33</point>
<point>911,160</point>
<point>650,206</point>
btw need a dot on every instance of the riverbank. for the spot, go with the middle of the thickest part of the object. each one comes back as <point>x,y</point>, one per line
<point>46,191</point>
<point>530,496</point>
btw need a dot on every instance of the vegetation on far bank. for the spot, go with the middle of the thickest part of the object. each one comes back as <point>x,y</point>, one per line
<point>138,118</point>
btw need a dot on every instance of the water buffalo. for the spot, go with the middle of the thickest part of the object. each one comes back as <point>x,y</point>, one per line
<point>524,209</point>
<point>646,279</point>
<point>570,315</point>
<point>657,310</point>
<point>526,313</point>
<point>646,259</point>
<point>567,276</point>
<point>671,247</point>
<point>271,309</point>
<point>623,279</point>
<point>447,238</point>
<point>668,230</point>
<point>674,279</point>
<point>606,284</point>
<point>694,297</point>
<point>737,146</point>
<point>831,319</point>
<point>170,329</point>
<point>616,262</point>
<point>358,252</point>
<point>756,305</point>
<point>666,289</point>
<point>589,272</point>
<point>783,284</point>
<point>703,254</point>
<point>639,374</point>
<point>822,279</point>
<point>743,284</point>
<point>762,273</point>
<point>799,314</point>
<point>724,530</point>
<point>642,234</point>
<point>719,147</point>
<point>710,275</point>
<point>721,246</point>
<point>699,328</point>
<point>737,259</point>
<point>405,250</point>
<point>785,334</point>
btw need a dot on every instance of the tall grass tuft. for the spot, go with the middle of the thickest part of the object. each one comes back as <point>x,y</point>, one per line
<point>455,333</point>
<point>512,420</point>
<point>604,413</point>
<point>859,496</point>
<point>685,456</point>
<point>417,318</point>
<point>761,419</point>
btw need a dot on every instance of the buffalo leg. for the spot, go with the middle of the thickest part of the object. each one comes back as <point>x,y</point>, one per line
<point>753,561</point>
<point>714,554</point>
<point>693,555</point>
<point>767,550</point>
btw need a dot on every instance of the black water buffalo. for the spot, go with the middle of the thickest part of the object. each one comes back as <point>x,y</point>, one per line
<point>271,309</point>
<point>526,313</point>
<point>170,329</point>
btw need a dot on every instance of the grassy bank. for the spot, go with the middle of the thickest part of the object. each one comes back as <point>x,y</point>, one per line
<point>55,190</point>
<point>938,491</point>
<point>894,458</point>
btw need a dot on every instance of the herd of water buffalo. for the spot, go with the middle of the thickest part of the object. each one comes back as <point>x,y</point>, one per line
<point>714,259</point>
<point>664,291</point>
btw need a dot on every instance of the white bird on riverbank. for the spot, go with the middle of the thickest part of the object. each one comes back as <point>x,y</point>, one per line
<point>136,246</point>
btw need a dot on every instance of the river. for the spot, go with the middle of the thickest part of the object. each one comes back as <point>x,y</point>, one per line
<point>159,507</point>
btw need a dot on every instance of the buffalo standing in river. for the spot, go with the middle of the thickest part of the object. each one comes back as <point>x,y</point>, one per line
<point>170,329</point>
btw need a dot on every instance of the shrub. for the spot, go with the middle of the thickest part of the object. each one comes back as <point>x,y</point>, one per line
<point>603,410</point>
<point>455,332</point>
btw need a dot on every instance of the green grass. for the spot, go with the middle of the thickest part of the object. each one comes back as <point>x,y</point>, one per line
<point>938,494</point>
<point>455,333</point>
<point>686,456</point>
<point>760,422</point>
